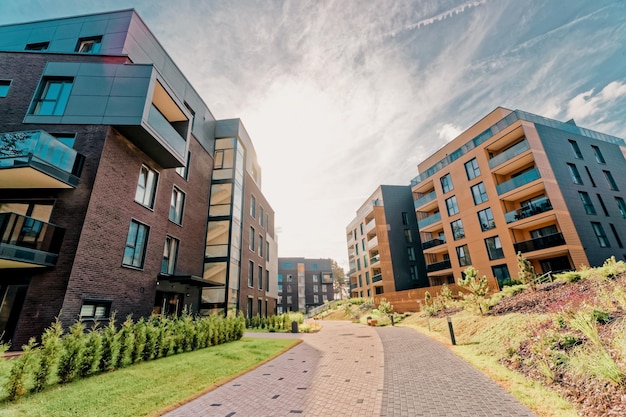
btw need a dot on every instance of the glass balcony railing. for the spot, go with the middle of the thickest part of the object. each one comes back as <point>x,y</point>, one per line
<point>536,207</point>
<point>438,266</point>
<point>427,198</point>
<point>377,278</point>
<point>427,221</point>
<point>353,286</point>
<point>372,243</point>
<point>374,259</point>
<point>27,240</point>
<point>369,226</point>
<point>510,153</point>
<point>41,151</point>
<point>166,130</point>
<point>544,242</point>
<point>432,243</point>
<point>522,179</point>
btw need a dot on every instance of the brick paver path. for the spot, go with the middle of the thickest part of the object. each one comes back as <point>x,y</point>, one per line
<point>354,370</point>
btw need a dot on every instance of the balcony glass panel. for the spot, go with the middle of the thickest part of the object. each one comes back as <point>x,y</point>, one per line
<point>372,243</point>
<point>29,240</point>
<point>374,259</point>
<point>41,150</point>
<point>544,242</point>
<point>429,220</point>
<point>425,199</point>
<point>166,130</point>
<point>510,153</point>
<point>432,243</point>
<point>536,207</point>
<point>377,278</point>
<point>438,266</point>
<point>353,285</point>
<point>518,181</point>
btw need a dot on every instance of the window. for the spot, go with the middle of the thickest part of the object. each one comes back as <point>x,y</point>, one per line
<point>170,252</point>
<point>593,183</point>
<point>89,45</point>
<point>314,267</point>
<point>95,309</point>
<point>598,154</point>
<point>600,234</point>
<point>573,171</point>
<point>261,245</point>
<point>365,261</point>
<point>261,215</point>
<point>463,255</point>
<point>251,275</point>
<point>316,278</point>
<point>37,46</point>
<point>252,235</point>
<point>363,244</point>
<point>4,87</point>
<point>289,278</point>
<point>446,183</point>
<point>146,186</point>
<point>267,251</point>
<point>452,206</point>
<point>589,208</point>
<point>360,281</point>
<point>610,180</point>
<point>411,252</point>
<point>544,231</point>
<point>485,218</point>
<point>575,149</point>
<point>260,277</point>
<point>316,288</point>
<point>252,206</point>
<point>501,272</point>
<point>267,280</point>
<point>621,205</point>
<point>408,237</point>
<point>177,203</point>
<point>289,299</point>
<point>67,139</point>
<point>367,278</point>
<point>358,264</point>
<point>184,171</point>
<point>614,230</point>
<point>136,243</point>
<point>494,248</point>
<point>604,210</point>
<point>53,96</point>
<point>405,218</point>
<point>479,193</point>
<point>316,299</point>
<point>471,169</point>
<point>458,232</point>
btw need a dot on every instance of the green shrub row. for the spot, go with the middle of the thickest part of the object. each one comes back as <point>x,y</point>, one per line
<point>63,357</point>
<point>277,322</point>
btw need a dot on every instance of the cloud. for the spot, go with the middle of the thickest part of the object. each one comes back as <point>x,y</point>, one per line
<point>589,104</point>
<point>448,132</point>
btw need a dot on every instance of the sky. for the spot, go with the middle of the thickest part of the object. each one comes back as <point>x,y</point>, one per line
<point>342,96</point>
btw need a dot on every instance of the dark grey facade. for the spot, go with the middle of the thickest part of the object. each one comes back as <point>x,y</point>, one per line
<point>304,283</point>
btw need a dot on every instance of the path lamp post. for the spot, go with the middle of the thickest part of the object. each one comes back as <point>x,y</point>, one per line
<point>451,330</point>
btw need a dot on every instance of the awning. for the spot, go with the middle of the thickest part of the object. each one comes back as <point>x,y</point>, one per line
<point>191,280</point>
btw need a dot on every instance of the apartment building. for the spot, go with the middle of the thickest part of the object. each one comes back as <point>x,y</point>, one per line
<point>384,248</point>
<point>120,191</point>
<point>304,283</point>
<point>518,182</point>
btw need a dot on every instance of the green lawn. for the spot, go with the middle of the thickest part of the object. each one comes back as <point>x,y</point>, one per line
<point>149,388</point>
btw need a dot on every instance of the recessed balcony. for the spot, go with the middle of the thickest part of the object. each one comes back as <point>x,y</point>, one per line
<point>377,278</point>
<point>432,243</point>
<point>372,243</point>
<point>509,154</point>
<point>36,159</point>
<point>536,207</point>
<point>518,181</point>
<point>26,242</point>
<point>353,286</point>
<point>425,199</point>
<point>439,266</point>
<point>429,220</point>
<point>539,243</point>
<point>374,259</point>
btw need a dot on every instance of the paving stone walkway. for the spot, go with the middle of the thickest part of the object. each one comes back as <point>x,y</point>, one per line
<point>358,371</point>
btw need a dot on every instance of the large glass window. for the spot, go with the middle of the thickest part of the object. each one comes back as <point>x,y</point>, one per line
<point>610,180</point>
<point>452,206</point>
<point>621,205</point>
<point>252,235</point>
<point>573,171</point>
<point>577,153</point>
<point>600,234</point>
<point>260,277</point>
<point>89,45</point>
<point>408,236</point>
<point>261,245</point>
<point>494,248</point>
<point>252,206</point>
<point>136,243</point>
<point>221,195</point>
<point>184,171</point>
<point>146,186</point>
<point>170,251</point>
<point>479,193</point>
<point>446,183</point>
<point>587,203</point>
<point>95,309</point>
<point>598,154</point>
<point>177,202</point>
<point>53,96</point>
<point>485,218</point>
<point>458,232</point>
<point>501,272</point>
<point>471,169</point>
<point>251,274</point>
<point>463,254</point>
<point>4,87</point>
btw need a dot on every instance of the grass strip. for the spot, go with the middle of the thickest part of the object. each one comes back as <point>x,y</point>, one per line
<point>149,388</point>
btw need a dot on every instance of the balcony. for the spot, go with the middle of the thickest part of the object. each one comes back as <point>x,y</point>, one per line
<point>353,286</point>
<point>544,242</point>
<point>438,266</point>
<point>427,221</point>
<point>374,259</point>
<point>432,243</point>
<point>516,182</point>
<point>36,159</point>
<point>370,226</point>
<point>509,154</point>
<point>425,199</point>
<point>377,278</point>
<point>536,207</point>
<point>372,243</point>
<point>26,242</point>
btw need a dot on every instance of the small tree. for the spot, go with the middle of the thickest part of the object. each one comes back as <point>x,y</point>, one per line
<point>476,288</point>
<point>526,271</point>
<point>340,285</point>
<point>51,345</point>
